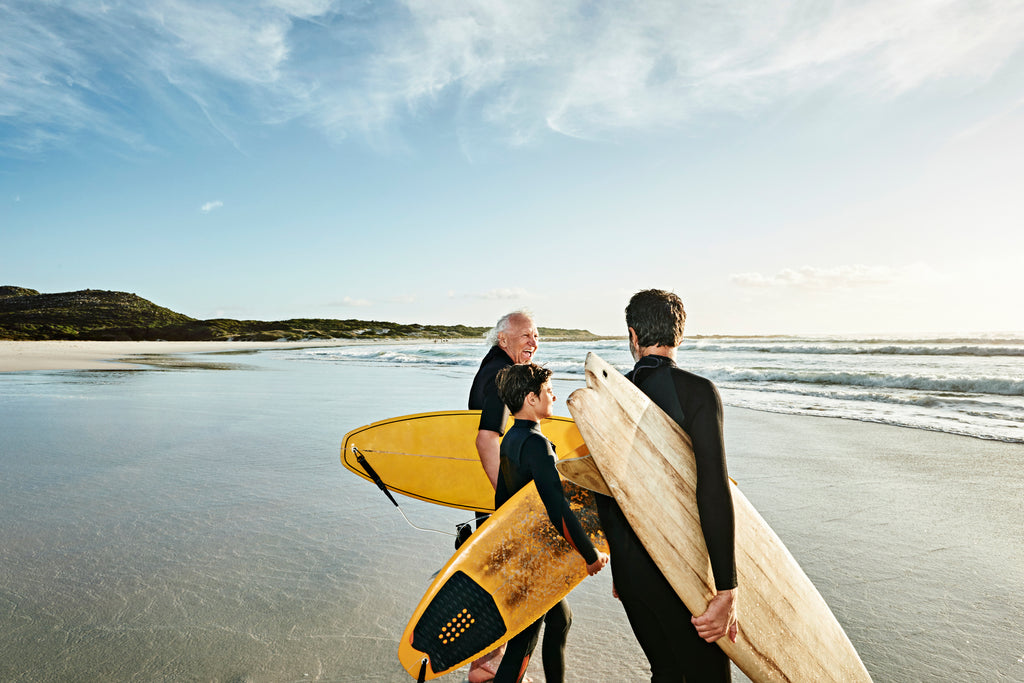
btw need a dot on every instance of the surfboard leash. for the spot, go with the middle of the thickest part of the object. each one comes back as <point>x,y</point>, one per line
<point>361,459</point>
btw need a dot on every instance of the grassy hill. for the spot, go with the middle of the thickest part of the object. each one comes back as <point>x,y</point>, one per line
<point>92,314</point>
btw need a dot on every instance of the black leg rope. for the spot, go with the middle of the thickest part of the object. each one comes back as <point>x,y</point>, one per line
<point>361,459</point>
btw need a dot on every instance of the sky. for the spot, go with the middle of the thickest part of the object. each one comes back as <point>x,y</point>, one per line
<point>811,168</point>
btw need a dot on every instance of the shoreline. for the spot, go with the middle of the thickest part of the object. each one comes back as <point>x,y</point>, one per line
<point>66,354</point>
<point>32,356</point>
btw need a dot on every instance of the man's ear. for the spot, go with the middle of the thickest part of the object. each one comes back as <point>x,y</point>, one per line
<point>633,338</point>
<point>532,397</point>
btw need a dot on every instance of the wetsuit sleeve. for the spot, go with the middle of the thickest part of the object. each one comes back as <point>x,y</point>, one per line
<point>492,416</point>
<point>714,499</point>
<point>539,458</point>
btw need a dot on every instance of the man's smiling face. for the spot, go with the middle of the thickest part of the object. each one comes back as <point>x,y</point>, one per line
<point>520,340</point>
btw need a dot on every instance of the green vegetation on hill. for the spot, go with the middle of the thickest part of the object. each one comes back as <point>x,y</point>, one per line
<point>91,314</point>
<point>87,314</point>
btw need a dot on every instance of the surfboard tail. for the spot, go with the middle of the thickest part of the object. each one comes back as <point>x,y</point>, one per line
<point>461,621</point>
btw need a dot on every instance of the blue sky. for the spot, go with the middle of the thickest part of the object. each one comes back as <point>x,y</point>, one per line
<point>786,167</point>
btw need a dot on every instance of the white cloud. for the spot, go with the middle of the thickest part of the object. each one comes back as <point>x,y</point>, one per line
<point>349,302</point>
<point>211,206</point>
<point>516,67</point>
<point>833,278</point>
<point>504,293</point>
<point>499,294</point>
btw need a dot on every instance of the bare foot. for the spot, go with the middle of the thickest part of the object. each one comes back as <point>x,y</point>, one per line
<point>484,668</point>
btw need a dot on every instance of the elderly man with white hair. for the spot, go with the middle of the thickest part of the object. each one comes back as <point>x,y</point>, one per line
<point>513,341</point>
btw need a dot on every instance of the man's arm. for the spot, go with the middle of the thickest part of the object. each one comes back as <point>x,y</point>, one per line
<point>714,502</point>
<point>488,447</point>
<point>714,498</point>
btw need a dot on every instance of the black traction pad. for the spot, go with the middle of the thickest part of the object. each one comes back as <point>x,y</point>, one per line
<point>459,622</point>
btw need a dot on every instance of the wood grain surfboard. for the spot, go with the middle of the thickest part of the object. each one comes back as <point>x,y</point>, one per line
<point>787,631</point>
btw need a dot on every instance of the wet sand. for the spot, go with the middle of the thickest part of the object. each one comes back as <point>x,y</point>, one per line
<point>197,525</point>
<point>27,356</point>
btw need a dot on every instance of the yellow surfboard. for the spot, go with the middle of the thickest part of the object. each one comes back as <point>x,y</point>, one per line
<point>432,456</point>
<point>645,460</point>
<point>510,572</point>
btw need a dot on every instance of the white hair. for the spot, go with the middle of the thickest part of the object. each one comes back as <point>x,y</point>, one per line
<point>504,324</point>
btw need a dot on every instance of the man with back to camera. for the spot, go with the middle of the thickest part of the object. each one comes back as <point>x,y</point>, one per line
<point>514,340</point>
<point>678,645</point>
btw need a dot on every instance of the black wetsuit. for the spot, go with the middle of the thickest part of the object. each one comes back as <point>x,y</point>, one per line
<point>483,396</point>
<point>658,617</point>
<point>526,455</point>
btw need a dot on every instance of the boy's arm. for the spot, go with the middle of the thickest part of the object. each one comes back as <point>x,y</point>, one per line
<point>538,456</point>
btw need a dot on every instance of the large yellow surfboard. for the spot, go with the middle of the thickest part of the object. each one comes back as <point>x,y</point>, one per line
<point>432,456</point>
<point>644,459</point>
<point>510,572</point>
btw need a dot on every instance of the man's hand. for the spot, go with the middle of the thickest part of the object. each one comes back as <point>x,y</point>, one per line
<point>598,564</point>
<point>719,618</point>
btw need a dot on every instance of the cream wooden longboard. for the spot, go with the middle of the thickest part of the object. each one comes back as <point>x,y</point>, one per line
<point>583,471</point>
<point>787,632</point>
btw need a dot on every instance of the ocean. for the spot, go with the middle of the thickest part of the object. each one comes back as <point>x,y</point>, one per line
<point>973,387</point>
<point>192,521</point>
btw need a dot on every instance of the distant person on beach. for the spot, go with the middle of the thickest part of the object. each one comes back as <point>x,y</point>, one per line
<point>678,645</point>
<point>526,455</point>
<point>514,339</point>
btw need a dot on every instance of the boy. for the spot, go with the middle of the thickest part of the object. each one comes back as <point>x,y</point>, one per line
<point>526,455</point>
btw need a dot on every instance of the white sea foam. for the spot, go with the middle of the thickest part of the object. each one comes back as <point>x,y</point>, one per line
<point>951,384</point>
<point>961,386</point>
<point>863,348</point>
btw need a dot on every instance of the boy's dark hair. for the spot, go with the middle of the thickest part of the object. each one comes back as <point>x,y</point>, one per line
<point>657,317</point>
<point>515,383</point>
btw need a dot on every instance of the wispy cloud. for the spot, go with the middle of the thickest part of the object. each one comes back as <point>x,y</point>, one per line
<point>504,293</point>
<point>516,68</point>
<point>211,206</point>
<point>833,278</point>
<point>350,302</point>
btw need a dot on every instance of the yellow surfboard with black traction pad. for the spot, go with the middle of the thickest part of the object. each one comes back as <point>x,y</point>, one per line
<point>432,456</point>
<point>510,572</point>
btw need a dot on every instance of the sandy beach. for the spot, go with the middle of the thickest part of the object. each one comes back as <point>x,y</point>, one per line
<point>196,524</point>
<point>26,356</point>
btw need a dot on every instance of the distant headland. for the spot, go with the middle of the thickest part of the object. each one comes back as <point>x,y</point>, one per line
<point>99,315</point>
